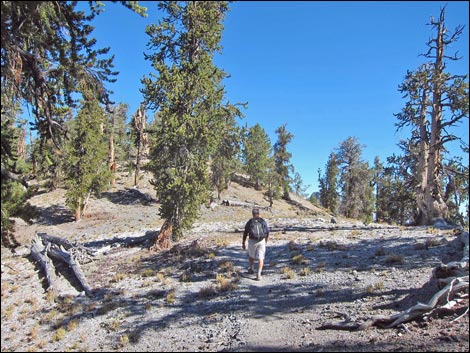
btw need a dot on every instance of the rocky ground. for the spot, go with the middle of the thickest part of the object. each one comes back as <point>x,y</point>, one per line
<point>198,297</point>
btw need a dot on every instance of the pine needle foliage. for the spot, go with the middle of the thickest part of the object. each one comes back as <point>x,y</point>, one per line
<point>188,94</point>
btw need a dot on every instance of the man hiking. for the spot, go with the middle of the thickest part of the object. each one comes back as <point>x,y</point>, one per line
<point>258,232</point>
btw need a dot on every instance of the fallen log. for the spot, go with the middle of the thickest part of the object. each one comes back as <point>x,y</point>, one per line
<point>81,253</point>
<point>39,254</point>
<point>46,247</point>
<point>55,240</point>
<point>65,256</point>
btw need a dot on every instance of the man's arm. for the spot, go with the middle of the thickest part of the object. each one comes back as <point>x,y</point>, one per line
<point>266,229</point>
<point>245,234</point>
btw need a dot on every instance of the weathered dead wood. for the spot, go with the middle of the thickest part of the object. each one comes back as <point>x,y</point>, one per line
<point>39,253</point>
<point>455,268</point>
<point>442,300</point>
<point>421,309</point>
<point>46,247</point>
<point>55,240</point>
<point>65,256</point>
<point>81,253</point>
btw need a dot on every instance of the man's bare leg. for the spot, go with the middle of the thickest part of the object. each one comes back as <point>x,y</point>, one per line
<point>260,268</point>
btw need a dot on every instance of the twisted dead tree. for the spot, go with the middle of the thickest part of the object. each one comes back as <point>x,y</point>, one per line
<point>453,290</point>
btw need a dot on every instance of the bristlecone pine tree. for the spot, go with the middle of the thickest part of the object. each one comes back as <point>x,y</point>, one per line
<point>116,131</point>
<point>224,159</point>
<point>355,181</point>
<point>437,101</point>
<point>256,152</point>
<point>86,158</point>
<point>282,159</point>
<point>140,139</point>
<point>329,196</point>
<point>187,91</point>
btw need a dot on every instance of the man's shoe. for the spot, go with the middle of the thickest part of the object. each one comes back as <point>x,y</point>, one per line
<point>258,277</point>
<point>250,271</point>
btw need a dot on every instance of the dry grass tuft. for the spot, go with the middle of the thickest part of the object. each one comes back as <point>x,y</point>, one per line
<point>372,288</point>
<point>299,260</point>
<point>118,277</point>
<point>186,277</point>
<point>33,333</point>
<point>123,340</point>
<point>211,255</point>
<point>332,245</point>
<point>207,291</point>
<point>226,266</point>
<point>148,272</point>
<point>288,272</point>
<point>171,297</point>
<point>59,334</point>
<point>72,325</point>
<point>50,296</point>
<point>222,242</point>
<point>432,242</point>
<point>225,284</point>
<point>293,246</point>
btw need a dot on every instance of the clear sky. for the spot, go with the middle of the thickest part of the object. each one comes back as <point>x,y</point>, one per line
<point>327,69</point>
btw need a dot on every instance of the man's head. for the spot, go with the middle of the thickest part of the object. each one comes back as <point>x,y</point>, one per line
<point>255,212</point>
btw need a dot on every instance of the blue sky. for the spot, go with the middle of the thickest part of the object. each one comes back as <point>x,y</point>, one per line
<point>329,70</point>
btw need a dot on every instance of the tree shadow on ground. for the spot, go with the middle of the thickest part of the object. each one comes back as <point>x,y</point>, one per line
<point>129,196</point>
<point>54,215</point>
<point>143,241</point>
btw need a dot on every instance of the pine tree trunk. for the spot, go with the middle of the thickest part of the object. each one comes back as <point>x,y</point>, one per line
<point>21,147</point>
<point>434,204</point>
<point>35,166</point>
<point>112,159</point>
<point>85,204</point>
<point>162,239</point>
<point>423,163</point>
<point>33,156</point>
<point>78,210</point>
<point>139,122</point>
<point>137,167</point>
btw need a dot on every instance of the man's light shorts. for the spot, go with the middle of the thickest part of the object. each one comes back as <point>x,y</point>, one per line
<point>256,249</point>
